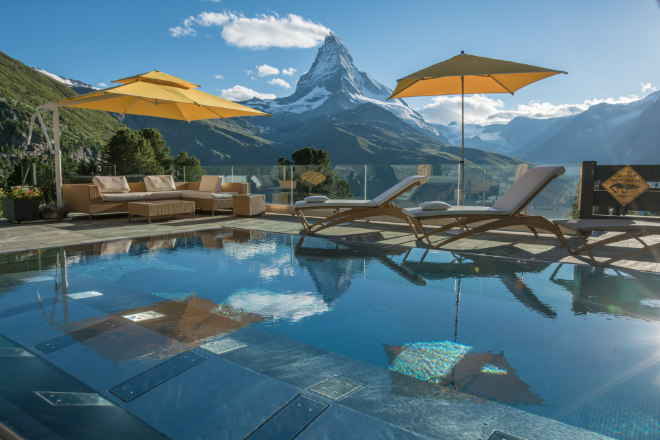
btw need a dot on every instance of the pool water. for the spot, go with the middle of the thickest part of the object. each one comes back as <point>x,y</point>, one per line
<point>572,344</point>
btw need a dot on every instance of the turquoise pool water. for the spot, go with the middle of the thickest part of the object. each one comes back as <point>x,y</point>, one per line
<point>577,345</point>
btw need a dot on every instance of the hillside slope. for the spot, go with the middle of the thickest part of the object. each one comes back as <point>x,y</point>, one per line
<point>22,89</point>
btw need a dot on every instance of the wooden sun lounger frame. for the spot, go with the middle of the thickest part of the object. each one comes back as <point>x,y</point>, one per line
<point>629,229</point>
<point>387,208</point>
<point>518,218</point>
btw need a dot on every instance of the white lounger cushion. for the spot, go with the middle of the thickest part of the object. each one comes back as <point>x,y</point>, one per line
<point>405,183</point>
<point>523,188</point>
<point>111,184</point>
<point>373,203</point>
<point>510,203</point>
<point>456,211</point>
<point>192,194</point>
<point>211,184</point>
<point>159,183</point>
<point>141,196</point>
<point>337,203</point>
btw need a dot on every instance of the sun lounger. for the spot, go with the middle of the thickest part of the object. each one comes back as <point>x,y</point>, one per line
<point>351,210</point>
<point>507,211</point>
<point>629,229</point>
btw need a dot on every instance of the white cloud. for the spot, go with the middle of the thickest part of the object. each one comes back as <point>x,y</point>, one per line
<point>265,70</point>
<point>207,19</point>
<point>102,84</point>
<point>218,76</point>
<point>260,32</point>
<point>241,93</point>
<point>185,30</point>
<point>482,110</point>
<point>290,71</point>
<point>279,82</point>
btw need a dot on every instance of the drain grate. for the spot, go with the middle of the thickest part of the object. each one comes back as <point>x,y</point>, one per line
<point>224,345</point>
<point>499,435</point>
<point>335,387</point>
<point>156,376</point>
<point>63,398</point>
<point>143,316</point>
<point>83,295</point>
<point>290,420</point>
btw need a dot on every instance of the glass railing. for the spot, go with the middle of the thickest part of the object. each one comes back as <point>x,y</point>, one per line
<point>287,184</point>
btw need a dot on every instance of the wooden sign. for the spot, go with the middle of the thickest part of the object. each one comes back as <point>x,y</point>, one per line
<point>625,185</point>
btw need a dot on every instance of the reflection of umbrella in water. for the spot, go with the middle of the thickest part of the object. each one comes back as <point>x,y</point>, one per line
<point>189,321</point>
<point>452,365</point>
<point>313,177</point>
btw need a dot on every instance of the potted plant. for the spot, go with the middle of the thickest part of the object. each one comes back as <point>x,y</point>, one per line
<point>21,203</point>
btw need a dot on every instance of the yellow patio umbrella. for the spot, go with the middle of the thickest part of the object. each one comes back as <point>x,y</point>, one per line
<point>466,73</point>
<point>149,94</point>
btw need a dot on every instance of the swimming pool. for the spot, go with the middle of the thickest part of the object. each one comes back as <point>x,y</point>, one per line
<point>242,334</point>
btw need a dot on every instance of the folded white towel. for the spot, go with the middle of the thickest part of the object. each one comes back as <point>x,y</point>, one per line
<point>316,199</point>
<point>435,206</point>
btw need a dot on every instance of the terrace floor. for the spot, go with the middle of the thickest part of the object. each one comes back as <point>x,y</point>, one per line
<point>513,245</point>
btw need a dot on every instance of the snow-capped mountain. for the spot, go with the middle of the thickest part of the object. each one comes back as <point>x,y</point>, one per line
<point>333,84</point>
<point>608,133</point>
<point>78,86</point>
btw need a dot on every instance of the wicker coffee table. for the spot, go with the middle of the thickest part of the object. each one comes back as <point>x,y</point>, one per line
<point>249,205</point>
<point>155,208</point>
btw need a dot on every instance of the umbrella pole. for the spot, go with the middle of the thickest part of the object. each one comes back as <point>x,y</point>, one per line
<point>461,191</point>
<point>58,155</point>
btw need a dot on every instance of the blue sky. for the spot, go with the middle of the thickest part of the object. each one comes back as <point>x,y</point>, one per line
<point>608,47</point>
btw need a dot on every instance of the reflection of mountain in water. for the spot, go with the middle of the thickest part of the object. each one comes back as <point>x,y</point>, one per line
<point>333,265</point>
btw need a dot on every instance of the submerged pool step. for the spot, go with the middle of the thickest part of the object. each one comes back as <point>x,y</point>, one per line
<point>80,335</point>
<point>290,420</point>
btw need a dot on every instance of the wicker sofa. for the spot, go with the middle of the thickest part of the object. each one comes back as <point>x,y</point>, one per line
<point>87,198</point>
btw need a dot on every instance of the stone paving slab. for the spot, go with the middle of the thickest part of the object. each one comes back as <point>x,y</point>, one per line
<point>504,244</point>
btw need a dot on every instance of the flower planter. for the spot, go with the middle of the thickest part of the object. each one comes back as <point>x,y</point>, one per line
<point>18,210</point>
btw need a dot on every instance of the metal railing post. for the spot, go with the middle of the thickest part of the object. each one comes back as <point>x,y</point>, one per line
<point>232,173</point>
<point>115,168</point>
<point>291,184</point>
<point>365,182</point>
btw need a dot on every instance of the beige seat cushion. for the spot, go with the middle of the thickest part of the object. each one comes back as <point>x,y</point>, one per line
<point>159,183</point>
<point>141,196</point>
<point>200,195</point>
<point>211,184</point>
<point>111,184</point>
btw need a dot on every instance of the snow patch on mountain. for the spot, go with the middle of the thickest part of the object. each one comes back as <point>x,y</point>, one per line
<point>66,81</point>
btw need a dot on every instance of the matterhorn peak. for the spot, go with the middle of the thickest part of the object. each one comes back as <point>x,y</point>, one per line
<point>333,84</point>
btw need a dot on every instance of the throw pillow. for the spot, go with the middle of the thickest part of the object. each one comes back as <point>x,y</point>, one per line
<point>111,184</point>
<point>212,184</point>
<point>159,183</point>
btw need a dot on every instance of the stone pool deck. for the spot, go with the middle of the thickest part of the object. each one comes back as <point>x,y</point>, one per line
<point>514,245</point>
